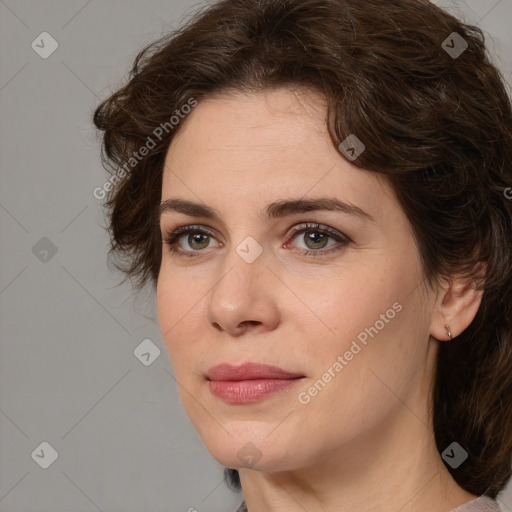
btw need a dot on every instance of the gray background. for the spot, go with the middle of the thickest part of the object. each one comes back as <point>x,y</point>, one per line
<point>69,376</point>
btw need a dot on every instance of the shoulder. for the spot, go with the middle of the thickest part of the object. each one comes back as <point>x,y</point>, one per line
<point>243,507</point>
<point>480,504</point>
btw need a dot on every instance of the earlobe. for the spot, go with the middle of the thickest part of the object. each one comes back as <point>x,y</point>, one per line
<point>455,309</point>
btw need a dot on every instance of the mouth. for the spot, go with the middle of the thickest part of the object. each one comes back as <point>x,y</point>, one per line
<point>250,382</point>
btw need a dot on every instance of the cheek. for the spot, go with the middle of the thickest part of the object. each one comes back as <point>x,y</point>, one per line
<point>347,307</point>
<point>347,399</point>
<point>377,356</point>
<point>175,307</point>
<point>369,320</point>
<point>181,315</point>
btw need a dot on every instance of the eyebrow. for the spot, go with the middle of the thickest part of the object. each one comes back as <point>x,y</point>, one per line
<point>272,211</point>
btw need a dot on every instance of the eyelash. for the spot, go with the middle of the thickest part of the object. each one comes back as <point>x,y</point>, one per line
<point>172,239</point>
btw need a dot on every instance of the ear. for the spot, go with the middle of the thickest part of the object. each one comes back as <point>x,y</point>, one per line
<point>456,306</point>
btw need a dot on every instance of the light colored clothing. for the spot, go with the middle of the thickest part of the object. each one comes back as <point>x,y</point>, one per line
<point>480,504</point>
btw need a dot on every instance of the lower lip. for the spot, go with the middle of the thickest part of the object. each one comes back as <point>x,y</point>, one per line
<point>245,391</point>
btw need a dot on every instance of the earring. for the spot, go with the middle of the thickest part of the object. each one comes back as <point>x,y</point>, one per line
<point>447,327</point>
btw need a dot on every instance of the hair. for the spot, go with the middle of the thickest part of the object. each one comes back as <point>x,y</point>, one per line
<point>438,126</point>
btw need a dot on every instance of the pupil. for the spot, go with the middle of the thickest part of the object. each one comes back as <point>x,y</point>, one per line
<point>196,238</point>
<point>313,234</point>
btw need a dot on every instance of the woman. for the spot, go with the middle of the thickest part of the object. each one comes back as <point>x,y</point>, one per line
<point>319,191</point>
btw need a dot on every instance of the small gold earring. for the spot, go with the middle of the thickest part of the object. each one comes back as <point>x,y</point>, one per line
<point>447,327</point>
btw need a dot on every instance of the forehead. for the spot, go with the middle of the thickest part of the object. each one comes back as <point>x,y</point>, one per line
<point>271,121</point>
<point>273,143</point>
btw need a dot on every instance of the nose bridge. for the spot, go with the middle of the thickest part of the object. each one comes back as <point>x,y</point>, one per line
<point>241,294</point>
<point>244,265</point>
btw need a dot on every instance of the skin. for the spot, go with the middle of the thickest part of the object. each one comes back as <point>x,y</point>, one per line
<point>365,441</point>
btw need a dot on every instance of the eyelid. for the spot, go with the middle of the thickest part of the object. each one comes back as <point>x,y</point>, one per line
<point>341,239</point>
<point>173,234</point>
<point>311,226</point>
<point>289,232</point>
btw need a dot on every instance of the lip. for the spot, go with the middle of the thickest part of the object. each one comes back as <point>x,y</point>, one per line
<point>249,371</point>
<point>249,382</point>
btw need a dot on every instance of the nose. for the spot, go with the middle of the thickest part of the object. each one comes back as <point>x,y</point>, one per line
<point>244,298</point>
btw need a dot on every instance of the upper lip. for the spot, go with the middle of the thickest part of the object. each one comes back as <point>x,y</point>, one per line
<point>249,371</point>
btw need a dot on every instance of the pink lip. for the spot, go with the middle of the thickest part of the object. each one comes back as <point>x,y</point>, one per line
<point>249,382</point>
<point>249,371</point>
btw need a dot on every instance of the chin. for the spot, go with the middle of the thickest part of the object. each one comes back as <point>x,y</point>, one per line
<point>249,449</point>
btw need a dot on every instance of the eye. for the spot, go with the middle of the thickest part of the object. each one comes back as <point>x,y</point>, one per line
<point>198,238</point>
<point>316,239</point>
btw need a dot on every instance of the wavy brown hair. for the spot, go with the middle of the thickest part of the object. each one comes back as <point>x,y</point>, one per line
<point>438,126</point>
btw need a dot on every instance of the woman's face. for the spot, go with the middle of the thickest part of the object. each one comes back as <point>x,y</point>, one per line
<point>333,296</point>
